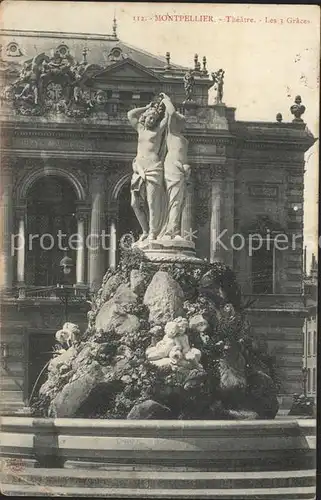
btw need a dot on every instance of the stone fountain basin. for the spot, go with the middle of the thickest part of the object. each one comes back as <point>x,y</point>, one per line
<point>145,458</point>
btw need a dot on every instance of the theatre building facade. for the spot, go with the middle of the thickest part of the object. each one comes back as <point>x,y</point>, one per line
<point>67,151</point>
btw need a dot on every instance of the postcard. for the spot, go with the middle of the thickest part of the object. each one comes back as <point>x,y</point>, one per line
<point>159,243</point>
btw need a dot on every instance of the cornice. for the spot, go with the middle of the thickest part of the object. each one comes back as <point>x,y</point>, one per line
<point>121,131</point>
<point>55,34</point>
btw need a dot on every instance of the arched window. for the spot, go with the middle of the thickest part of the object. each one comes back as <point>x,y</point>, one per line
<point>63,50</point>
<point>51,210</point>
<point>116,54</point>
<point>13,50</point>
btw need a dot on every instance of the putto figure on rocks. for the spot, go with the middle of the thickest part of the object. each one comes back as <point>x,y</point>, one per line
<point>147,181</point>
<point>176,169</point>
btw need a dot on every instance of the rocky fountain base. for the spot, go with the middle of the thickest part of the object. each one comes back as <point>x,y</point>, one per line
<point>164,341</point>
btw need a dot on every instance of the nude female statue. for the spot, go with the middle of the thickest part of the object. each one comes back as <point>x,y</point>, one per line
<point>147,181</point>
<point>176,169</point>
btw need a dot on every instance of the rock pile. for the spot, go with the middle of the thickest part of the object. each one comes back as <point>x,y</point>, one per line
<point>163,341</point>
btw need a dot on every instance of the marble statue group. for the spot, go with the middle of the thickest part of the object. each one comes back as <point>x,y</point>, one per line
<point>160,170</point>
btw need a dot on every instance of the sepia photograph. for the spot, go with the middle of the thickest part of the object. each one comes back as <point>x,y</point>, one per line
<point>159,249</point>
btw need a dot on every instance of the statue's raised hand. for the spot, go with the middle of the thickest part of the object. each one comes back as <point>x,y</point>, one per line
<point>162,95</point>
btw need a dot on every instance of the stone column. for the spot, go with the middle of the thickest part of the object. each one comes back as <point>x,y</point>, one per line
<point>187,225</point>
<point>215,224</point>
<point>228,219</point>
<point>97,225</point>
<point>21,250</point>
<point>112,256</point>
<point>81,248</point>
<point>222,215</point>
<point>202,209</point>
<point>6,226</point>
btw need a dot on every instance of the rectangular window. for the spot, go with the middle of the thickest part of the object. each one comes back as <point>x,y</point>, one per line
<point>125,100</point>
<point>263,270</point>
<point>309,380</point>
<point>309,344</point>
<point>146,98</point>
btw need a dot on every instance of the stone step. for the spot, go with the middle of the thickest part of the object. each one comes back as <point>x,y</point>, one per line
<point>207,446</point>
<point>11,396</point>
<point>11,401</point>
<point>11,383</point>
<point>133,479</point>
<point>214,494</point>
<point>10,407</point>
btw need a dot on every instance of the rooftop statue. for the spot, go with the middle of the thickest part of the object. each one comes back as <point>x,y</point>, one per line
<point>297,109</point>
<point>218,79</point>
<point>57,65</point>
<point>189,83</point>
<point>29,78</point>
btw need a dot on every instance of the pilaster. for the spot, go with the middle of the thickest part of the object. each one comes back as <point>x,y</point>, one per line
<point>6,226</point>
<point>96,263</point>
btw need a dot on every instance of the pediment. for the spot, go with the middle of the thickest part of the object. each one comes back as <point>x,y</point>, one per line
<point>126,70</point>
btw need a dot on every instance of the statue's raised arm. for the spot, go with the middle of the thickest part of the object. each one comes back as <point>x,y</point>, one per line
<point>135,114</point>
<point>176,169</point>
<point>176,121</point>
<point>147,181</point>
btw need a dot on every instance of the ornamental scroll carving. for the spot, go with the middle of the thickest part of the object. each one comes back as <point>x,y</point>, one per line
<point>54,84</point>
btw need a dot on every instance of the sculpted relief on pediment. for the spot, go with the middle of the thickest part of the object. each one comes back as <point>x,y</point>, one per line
<point>60,84</point>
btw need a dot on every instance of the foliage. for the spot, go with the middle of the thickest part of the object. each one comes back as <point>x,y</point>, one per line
<point>131,259</point>
<point>40,406</point>
<point>303,406</point>
<point>210,290</point>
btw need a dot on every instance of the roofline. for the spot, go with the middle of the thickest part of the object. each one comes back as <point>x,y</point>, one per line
<point>84,36</point>
<point>59,34</point>
<point>155,56</point>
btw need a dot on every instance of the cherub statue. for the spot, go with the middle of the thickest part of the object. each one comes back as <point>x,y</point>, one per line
<point>68,335</point>
<point>56,65</point>
<point>174,349</point>
<point>218,79</point>
<point>189,83</point>
<point>29,76</point>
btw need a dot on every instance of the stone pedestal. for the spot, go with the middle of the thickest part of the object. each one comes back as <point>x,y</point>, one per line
<point>171,250</point>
